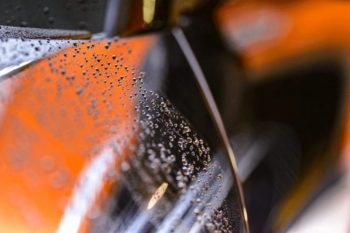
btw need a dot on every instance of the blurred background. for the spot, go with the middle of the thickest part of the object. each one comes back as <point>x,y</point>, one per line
<point>175,116</point>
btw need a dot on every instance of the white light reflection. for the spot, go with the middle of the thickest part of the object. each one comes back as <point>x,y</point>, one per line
<point>158,194</point>
<point>10,69</point>
<point>89,185</point>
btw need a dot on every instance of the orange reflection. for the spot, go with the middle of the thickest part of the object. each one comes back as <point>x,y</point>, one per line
<point>63,111</point>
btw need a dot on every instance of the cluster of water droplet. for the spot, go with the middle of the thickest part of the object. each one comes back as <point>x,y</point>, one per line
<point>17,50</point>
<point>162,146</point>
<point>169,150</point>
<point>219,222</point>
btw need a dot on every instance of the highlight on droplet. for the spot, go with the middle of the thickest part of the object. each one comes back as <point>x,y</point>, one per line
<point>157,195</point>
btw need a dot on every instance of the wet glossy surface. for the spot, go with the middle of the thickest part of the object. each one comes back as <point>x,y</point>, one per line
<point>92,141</point>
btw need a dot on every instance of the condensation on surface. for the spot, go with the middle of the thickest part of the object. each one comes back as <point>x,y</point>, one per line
<point>56,119</point>
<point>17,50</point>
<point>83,125</point>
<point>168,150</point>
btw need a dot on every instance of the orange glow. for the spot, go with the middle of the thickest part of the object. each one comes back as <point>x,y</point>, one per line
<point>48,135</point>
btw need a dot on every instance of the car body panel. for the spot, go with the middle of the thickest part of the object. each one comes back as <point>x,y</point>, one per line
<point>53,126</point>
